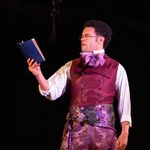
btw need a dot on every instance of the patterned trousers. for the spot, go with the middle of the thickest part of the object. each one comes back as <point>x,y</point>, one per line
<point>88,137</point>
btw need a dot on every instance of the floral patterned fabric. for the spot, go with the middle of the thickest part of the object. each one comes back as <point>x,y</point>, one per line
<point>89,128</point>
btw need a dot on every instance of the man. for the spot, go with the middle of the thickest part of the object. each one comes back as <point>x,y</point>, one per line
<point>96,81</point>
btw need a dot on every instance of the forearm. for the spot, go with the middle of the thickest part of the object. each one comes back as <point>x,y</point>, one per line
<point>42,82</point>
<point>123,137</point>
<point>125,127</point>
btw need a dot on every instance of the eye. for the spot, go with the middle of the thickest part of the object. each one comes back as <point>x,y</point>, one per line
<point>86,36</point>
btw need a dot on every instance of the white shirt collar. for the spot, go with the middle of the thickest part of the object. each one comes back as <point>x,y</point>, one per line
<point>99,51</point>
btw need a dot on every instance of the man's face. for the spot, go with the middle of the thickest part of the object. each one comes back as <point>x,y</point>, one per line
<point>89,40</point>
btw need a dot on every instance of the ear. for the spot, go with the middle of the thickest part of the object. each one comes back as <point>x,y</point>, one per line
<point>101,39</point>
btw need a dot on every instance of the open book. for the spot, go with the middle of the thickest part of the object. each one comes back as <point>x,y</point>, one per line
<point>30,49</point>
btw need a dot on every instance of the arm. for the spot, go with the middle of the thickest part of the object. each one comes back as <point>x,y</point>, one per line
<point>53,87</point>
<point>35,69</point>
<point>124,107</point>
<point>122,140</point>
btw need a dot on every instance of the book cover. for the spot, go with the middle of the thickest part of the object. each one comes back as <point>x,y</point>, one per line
<point>30,49</point>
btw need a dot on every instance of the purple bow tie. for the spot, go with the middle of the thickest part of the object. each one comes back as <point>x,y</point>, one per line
<point>91,59</point>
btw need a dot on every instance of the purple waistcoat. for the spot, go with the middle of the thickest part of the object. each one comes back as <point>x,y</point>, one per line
<point>93,86</point>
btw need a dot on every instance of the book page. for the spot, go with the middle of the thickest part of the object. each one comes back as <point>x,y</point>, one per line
<point>38,48</point>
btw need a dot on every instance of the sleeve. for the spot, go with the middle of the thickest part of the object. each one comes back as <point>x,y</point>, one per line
<point>57,82</point>
<point>123,95</point>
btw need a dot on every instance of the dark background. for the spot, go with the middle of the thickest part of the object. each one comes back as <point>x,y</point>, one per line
<point>33,121</point>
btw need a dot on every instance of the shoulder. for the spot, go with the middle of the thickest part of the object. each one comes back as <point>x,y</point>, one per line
<point>71,62</point>
<point>111,62</point>
<point>111,59</point>
<point>120,67</point>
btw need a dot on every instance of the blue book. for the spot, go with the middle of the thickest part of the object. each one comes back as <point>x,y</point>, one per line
<point>30,49</point>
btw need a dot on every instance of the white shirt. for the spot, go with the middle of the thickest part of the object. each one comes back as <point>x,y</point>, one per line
<point>58,81</point>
